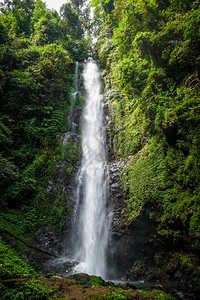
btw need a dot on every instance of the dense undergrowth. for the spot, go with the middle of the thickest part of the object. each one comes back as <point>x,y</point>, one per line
<point>149,51</point>
<point>38,53</point>
<point>37,64</point>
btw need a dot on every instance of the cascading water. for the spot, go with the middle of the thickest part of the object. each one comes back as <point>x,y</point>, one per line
<point>92,189</point>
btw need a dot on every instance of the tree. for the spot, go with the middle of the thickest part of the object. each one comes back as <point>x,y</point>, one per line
<point>71,22</point>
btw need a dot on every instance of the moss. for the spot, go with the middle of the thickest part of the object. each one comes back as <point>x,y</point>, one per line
<point>129,126</point>
<point>49,275</point>
<point>196,279</point>
<point>72,151</point>
<point>160,295</point>
<point>95,280</point>
<point>186,261</point>
<point>68,170</point>
<point>11,266</point>
<point>155,175</point>
<point>19,280</point>
<point>138,265</point>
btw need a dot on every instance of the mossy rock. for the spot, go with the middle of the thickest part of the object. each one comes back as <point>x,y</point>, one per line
<point>87,280</point>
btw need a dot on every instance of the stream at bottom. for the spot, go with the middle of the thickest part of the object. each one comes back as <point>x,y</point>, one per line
<point>65,267</point>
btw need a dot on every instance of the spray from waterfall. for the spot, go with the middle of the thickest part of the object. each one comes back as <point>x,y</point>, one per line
<point>92,187</point>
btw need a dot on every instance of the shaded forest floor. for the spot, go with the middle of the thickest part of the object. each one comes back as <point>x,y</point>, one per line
<point>58,287</point>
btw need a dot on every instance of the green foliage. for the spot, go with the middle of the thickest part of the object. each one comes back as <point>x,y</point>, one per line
<point>25,221</point>
<point>68,170</point>
<point>160,295</point>
<point>82,282</point>
<point>95,280</point>
<point>57,214</point>
<point>11,266</point>
<point>70,21</point>
<point>72,151</point>
<point>150,53</point>
<point>37,62</point>
<point>186,260</point>
<point>196,279</point>
<point>116,295</point>
<point>33,289</point>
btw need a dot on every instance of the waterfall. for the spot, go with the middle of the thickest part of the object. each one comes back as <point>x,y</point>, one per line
<point>92,189</point>
<point>77,78</point>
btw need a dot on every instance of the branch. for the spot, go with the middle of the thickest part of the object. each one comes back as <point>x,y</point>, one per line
<point>25,243</point>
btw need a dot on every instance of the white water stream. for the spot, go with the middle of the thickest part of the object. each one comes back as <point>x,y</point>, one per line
<point>92,189</point>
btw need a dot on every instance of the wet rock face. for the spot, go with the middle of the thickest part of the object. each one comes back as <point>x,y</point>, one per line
<point>118,234</point>
<point>62,181</point>
<point>116,196</point>
<point>130,246</point>
<point>137,251</point>
<point>133,247</point>
<point>48,240</point>
<point>117,227</point>
<point>61,186</point>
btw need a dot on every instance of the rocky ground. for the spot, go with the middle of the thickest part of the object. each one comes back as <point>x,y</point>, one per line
<point>83,286</point>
